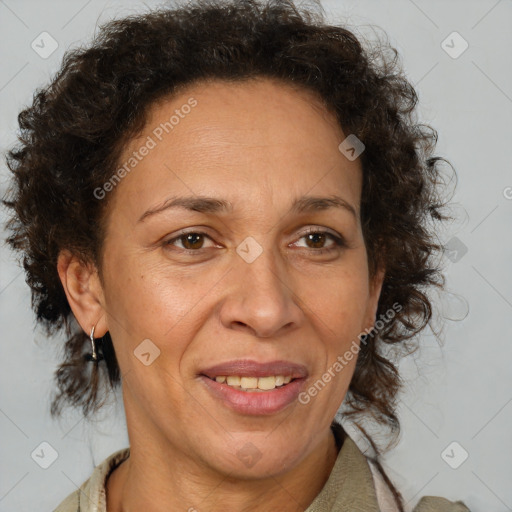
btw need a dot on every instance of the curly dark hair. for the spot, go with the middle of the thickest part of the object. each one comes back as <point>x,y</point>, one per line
<point>72,135</point>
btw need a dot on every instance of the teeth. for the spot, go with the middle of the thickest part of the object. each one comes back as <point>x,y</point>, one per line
<point>249,382</point>
<point>233,380</point>
<point>254,383</point>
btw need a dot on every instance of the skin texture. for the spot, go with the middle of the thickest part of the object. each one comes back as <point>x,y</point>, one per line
<point>259,145</point>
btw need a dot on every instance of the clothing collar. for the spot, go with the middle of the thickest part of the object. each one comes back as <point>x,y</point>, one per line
<point>350,483</point>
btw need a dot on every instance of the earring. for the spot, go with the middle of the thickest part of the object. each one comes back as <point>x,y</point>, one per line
<point>94,357</point>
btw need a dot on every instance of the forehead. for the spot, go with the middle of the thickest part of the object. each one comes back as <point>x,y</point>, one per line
<point>256,137</point>
<point>228,113</point>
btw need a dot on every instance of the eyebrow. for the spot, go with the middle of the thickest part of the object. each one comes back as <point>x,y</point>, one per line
<point>307,204</point>
<point>212,205</point>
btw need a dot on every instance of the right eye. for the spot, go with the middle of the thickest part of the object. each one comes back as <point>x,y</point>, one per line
<point>191,241</point>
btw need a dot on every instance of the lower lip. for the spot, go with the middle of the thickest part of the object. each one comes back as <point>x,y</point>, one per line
<point>255,403</point>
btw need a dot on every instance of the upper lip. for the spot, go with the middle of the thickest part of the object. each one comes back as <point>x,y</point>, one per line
<point>251,368</point>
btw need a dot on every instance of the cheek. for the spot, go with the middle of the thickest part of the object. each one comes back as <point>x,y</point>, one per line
<point>142,292</point>
<point>339,298</point>
<point>337,306</point>
<point>155,302</point>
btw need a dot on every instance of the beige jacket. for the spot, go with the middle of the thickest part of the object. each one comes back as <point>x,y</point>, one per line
<point>354,485</point>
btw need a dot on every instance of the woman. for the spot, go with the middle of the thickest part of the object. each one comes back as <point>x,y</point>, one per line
<point>226,206</point>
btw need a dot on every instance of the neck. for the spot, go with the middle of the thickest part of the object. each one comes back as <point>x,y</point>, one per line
<point>161,481</point>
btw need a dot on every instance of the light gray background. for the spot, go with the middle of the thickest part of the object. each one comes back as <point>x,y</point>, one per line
<point>459,392</point>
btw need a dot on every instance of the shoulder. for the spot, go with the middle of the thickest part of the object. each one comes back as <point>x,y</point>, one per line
<point>91,494</point>
<point>426,504</point>
<point>70,504</point>
<point>434,504</point>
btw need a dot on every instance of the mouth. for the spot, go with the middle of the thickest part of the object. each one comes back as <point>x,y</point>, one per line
<point>252,384</point>
<point>253,401</point>
<point>255,369</point>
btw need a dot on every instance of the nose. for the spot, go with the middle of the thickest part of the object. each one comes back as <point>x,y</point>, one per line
<point>260,298</point>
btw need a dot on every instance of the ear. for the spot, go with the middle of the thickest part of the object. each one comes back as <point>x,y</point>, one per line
<point>373,299</point>
<point>84,292</point>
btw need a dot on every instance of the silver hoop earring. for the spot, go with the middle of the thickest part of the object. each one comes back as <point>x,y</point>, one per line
<point>94,357</point>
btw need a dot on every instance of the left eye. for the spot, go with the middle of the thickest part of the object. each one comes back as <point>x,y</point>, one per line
<point>318,238</point>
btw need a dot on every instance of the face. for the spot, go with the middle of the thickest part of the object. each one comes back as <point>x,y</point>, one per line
<point>192,285</point>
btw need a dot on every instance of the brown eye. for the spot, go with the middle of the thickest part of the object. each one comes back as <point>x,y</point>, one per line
<point>317,239</point>
<point>192,240</point>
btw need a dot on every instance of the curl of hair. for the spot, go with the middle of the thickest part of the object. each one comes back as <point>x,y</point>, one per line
<point>72,134</point>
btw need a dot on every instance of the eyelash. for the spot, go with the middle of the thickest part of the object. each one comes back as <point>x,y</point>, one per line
<point>339,241</point>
